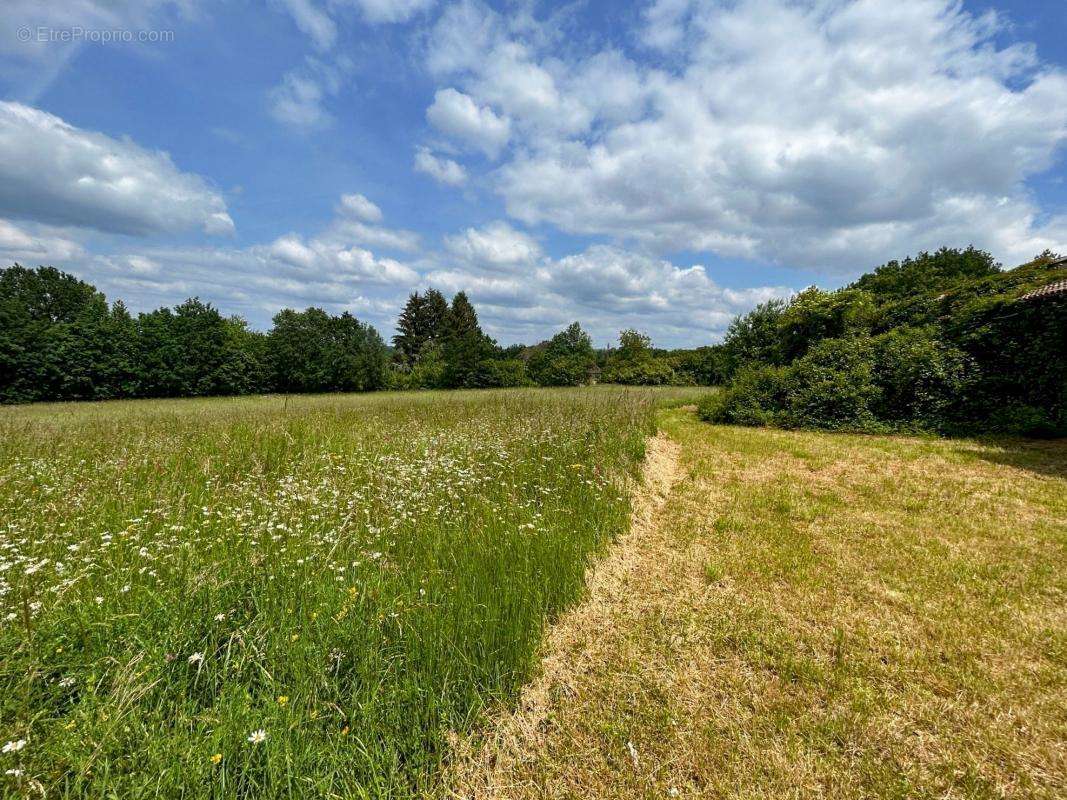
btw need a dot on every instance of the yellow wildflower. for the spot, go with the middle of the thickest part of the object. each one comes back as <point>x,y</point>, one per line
<point>215,759</point>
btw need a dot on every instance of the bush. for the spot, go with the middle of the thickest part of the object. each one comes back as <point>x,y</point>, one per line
<point>502,373</point>
<point>754,398</point>
<point>648,372</point>
<point>922,379</point>
<point>832,387</point>
<point>565,370</point>
<point>1024,420</point>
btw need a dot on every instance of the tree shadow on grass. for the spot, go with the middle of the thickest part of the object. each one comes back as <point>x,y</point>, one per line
<point>1043,456</point>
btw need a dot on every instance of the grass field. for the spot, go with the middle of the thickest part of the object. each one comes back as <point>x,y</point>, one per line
<point>266,597</point>
<point>816,615</point>
<point>343,596</point>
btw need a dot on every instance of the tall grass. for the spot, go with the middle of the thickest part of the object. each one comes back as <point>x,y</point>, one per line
<point>272,597</point>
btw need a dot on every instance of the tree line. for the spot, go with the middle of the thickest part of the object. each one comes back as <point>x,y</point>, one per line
<point>944,342</point>
<point>60,339</point>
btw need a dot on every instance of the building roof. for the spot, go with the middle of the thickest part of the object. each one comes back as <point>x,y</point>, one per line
<point>1053,289</point>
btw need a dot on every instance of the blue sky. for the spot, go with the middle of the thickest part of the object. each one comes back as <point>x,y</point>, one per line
<point>662,165</point>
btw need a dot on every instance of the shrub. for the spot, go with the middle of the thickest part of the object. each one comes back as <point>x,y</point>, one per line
<point>832,387</point>
<point>922,379</point>
<point>648,372</point>
<point>502,373</point>
<point>1024,420</point>
<point>754,398</point>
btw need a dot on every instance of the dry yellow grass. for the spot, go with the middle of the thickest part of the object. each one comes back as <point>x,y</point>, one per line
<point>810,615</point>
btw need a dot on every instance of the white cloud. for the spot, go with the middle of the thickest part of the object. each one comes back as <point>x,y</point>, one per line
<point>324,257</point>
<point>359,207</point>
<point>374,235</point>
<point>443,170</point>
<point>299,100</point>
<point>812,134</point>
<point>521,293</point>
<point>497,246</point>
<point>392,10</point>
<point>313,21</point>
<point>457,115</point>
<point>334,269</point>
<point>36,247</point>
<point>355,222</point>
<point>54,173</point>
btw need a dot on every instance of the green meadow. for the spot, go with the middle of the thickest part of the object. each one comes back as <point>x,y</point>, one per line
<point>279,597</point>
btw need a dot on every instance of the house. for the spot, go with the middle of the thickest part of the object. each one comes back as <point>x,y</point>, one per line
<point>1054,289</point>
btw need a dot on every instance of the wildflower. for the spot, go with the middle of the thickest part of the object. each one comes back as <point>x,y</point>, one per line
<point>220,617</point>
<point>283,700</point>
<point>258,736</point>
<point>196,658</point>
<point>215,759</point>
<point>14,746</point>
<point>14,773</point>
<point>633,752</point>
<point>344,731</point>
<point>98,600</point>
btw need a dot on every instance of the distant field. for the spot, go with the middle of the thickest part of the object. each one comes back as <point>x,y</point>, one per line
<point>301,597</point>
<point>821,616</point>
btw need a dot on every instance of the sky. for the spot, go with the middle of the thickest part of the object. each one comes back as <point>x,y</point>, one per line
<point>661,165</point>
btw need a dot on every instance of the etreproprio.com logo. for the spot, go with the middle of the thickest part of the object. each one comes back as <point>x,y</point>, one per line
<point>78,34</point>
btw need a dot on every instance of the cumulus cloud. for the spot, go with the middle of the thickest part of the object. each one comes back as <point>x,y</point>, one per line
<point>812,134</point>
<point>40,245</point>
<point>443,170</point>
<point>334,268</point>
<point>359,207</point>
<point>457,115</point>
<point>55,173</point>
<point>522,294</point>
<point>356,221</point>
<point>497,246</point>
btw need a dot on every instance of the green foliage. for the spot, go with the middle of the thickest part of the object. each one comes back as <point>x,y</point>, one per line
<point>955,349</point>
<point>754,397</point>
<point>635,363</point>
<point>567,359</point>
<point>702,366</point>
<point>502,373</point>
<point>814,315</point>
<point>465,346</point>
<point>422,322</point>
<point>753,338</point>
<point>311,351</point>
<point>921,378</point>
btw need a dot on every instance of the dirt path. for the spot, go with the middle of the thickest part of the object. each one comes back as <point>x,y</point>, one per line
<point>577,647</point>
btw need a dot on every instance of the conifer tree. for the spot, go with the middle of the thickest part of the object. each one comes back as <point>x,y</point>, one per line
<point>465,346</point>
<point>411,330</point>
